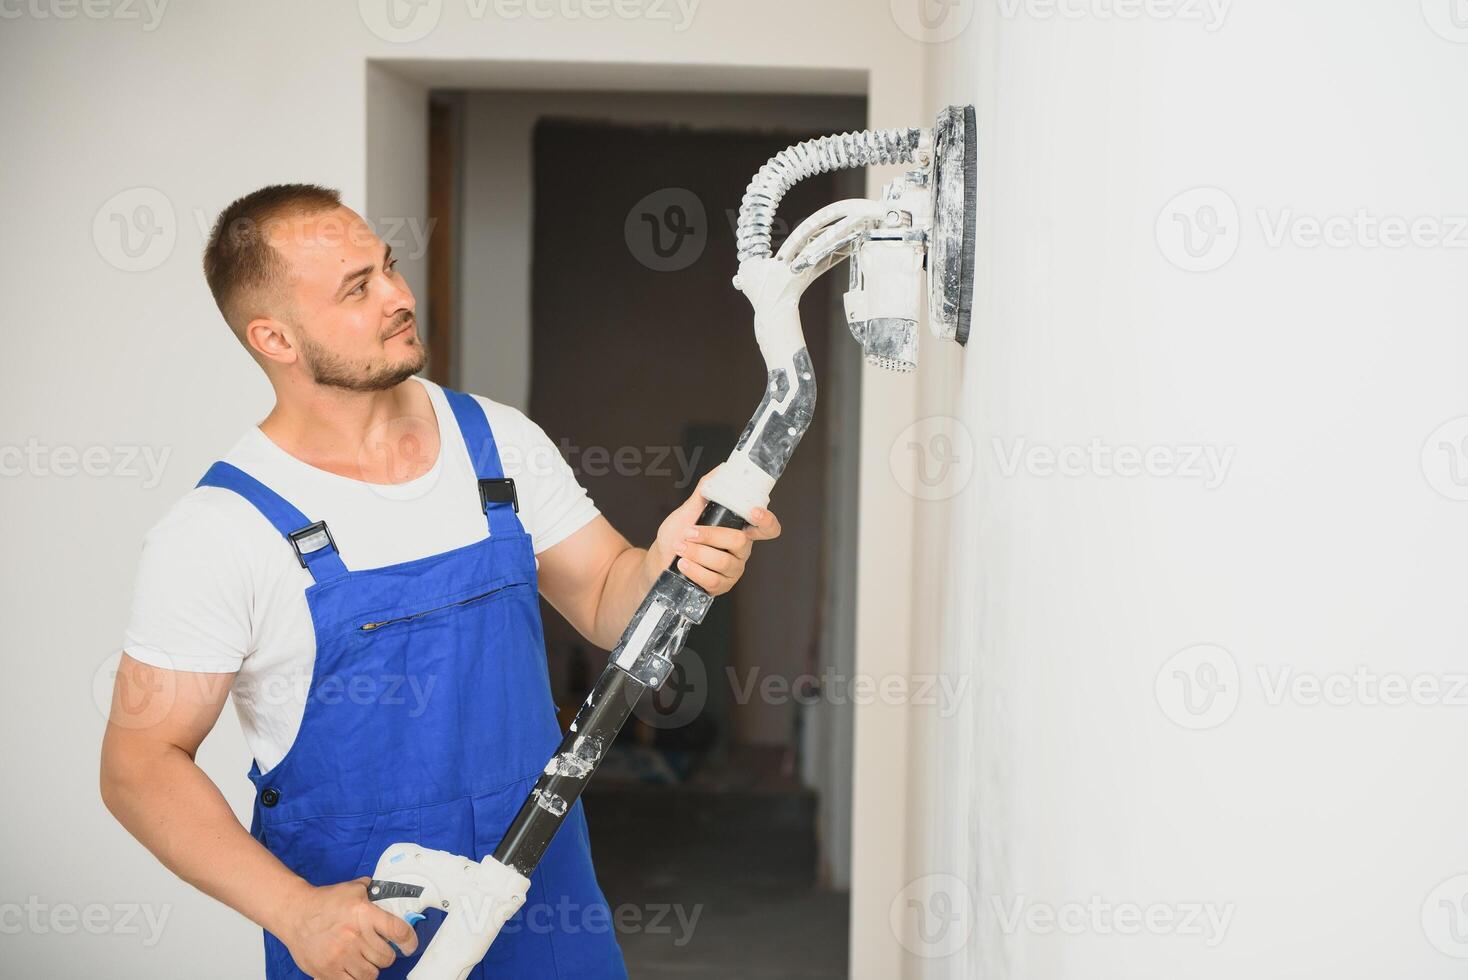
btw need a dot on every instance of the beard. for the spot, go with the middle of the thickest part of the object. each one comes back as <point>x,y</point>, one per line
<point>334,371</point>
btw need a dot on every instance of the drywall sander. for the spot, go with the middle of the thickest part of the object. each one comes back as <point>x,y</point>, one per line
<point>916,242</point>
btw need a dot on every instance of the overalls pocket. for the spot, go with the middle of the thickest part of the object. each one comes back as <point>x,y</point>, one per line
<point>399,618</point>
<point>324,850</point>
<point>389,828</point>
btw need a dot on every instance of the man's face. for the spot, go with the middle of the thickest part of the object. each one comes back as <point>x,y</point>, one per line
<point>351,310</point>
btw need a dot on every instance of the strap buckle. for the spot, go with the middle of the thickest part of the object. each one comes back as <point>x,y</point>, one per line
<point>311,539</point>
<point>500,491</point>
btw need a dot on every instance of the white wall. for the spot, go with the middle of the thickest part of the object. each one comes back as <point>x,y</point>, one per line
<point>1324,830</point>
<point>827,743</point>
<point>183,114</point>
<point>397,175</point>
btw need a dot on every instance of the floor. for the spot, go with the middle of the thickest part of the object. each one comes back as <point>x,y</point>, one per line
<point>716,883</point>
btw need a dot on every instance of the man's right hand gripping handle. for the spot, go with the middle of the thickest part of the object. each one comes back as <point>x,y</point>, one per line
<point>336,933</point>
<point>476,897</point>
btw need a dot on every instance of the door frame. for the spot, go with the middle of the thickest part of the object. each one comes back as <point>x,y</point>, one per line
<point>880,821</point>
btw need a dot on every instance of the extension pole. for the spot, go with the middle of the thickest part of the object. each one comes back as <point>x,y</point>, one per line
<point>642,660</point>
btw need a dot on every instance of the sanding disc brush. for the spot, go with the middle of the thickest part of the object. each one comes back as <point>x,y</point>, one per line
<point>955,210</point>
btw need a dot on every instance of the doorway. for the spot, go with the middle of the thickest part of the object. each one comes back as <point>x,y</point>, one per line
<point>587,282</point>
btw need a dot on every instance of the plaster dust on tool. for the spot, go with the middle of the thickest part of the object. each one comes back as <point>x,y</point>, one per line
<point>923,226</point>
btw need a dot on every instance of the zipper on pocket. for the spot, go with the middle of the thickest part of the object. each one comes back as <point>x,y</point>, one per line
<point>369,627</point>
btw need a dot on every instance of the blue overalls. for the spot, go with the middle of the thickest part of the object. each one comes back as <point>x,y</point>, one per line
<point>445,763</point>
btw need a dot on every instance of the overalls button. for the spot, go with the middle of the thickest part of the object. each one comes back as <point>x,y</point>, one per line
<point>270,797</point>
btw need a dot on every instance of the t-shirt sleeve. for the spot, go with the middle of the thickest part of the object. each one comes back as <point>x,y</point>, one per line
<point>191,601</point>
<point>553,503</point>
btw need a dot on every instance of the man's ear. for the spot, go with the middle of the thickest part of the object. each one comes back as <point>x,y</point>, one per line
<point>271,340</point>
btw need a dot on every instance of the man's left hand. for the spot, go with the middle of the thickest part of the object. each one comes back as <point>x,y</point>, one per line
<point>713,557</point>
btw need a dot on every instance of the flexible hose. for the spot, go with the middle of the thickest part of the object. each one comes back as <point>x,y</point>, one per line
<point>870,147</point>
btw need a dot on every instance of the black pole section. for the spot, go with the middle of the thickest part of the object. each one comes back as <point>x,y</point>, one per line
<point>715,515</point>
<point>597,724</point>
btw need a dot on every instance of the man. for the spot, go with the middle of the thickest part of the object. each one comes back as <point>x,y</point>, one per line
<point>361,573</point>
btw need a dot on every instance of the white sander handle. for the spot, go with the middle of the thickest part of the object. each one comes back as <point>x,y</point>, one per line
<point>478,898</point>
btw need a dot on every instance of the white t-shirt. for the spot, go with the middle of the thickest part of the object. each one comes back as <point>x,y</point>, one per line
<point>219,590</point>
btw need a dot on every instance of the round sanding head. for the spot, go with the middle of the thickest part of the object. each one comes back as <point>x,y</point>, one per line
<point>951,241</point>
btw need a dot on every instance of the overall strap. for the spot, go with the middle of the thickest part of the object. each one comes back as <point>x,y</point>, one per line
<point>496,493</point>
<point>314,547</point>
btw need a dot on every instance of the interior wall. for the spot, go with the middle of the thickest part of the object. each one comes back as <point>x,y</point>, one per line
<point>1142,729</point>
<point>827,754</point>
<point>188,111</point>
<point>397,176</point>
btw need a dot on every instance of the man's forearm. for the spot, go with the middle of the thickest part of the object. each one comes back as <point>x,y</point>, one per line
<point>167,802</point>
<point>628,581</point>
<point>597,579</point>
